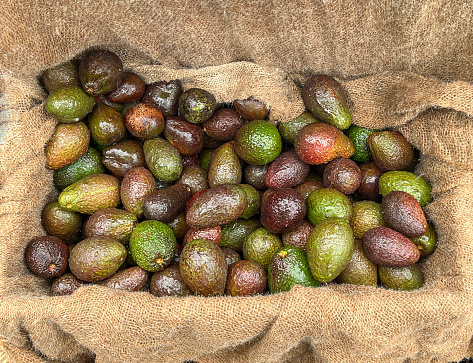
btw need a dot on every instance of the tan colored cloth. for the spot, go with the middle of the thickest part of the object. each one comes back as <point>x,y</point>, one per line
<point>405,64</point>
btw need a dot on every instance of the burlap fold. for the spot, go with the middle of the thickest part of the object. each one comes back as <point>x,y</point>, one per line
<point>404,64</point>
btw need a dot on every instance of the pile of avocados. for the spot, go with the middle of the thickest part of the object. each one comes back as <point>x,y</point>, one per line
<point>162,189</point>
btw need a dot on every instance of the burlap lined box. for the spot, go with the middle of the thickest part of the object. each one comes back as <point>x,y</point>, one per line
<point>405,64</point>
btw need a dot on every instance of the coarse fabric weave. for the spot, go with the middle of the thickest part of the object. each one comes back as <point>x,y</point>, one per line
<point>405,65</point>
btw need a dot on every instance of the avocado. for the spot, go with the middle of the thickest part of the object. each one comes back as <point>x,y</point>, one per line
<point>69,104</point>
<point>136,185</point>
<point>260,245</point>
<point>163,160</point>
<point>195,177</point>
<point>366,215</point>
<point>403,213</point>
<point>130,279</point>
<point>212,234</point>
<point>401,278</point>
<point>231,256</point>
<point>258,142</point>
<point>325,98</point>
<point>203,267</point>
<point>326,202</point>
<point>64,74</point>
<point>97,258</point>
<point>196,105</point>
<point>386,247</point>
<point>224,166</point>
<point>66,284</point>
<point>307,187</point>
<point>289,267</point>
<point>205,156</point>
<point>255,175</point>
<point>169,282</point>
<point>330,248</point>
<point>427,242</point>
<point>219,205</point>
<point>408,182</point>
<point>179,226</point>
<point>68,143</point>
<point>89,163</point>
<point>359,137</point>
<point>186,137</point>
<point>369,186</point>
<point>223,124</point>
<point>106,125</point>
<point>251,109</point>
<point>61,223</point>
<point>152,245</point>
<point>342,174</point>
<point>286,171</point>
<point>165,95</point>
<point>282,210</point>
<point>165,204</point>
<point>130,89</point>
<point>298,236</point>
<point>110,222</point>
<point>360,270</point>
<point>100,71</point>
<point>144,121</point>
<point>235,233</point>
<point>390,150</point>
<point>119,107</point>
<point>290,129</point>
<point>246,278</point>
<point>318,143</point>
<point>47,256</point>
<point>91,193</point>
<point>253,202</point>
<point>123,156</point>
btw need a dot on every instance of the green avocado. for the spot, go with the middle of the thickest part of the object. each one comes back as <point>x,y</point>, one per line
<point>330,248</point>
<point>289,267</point>
<point>69,104</point>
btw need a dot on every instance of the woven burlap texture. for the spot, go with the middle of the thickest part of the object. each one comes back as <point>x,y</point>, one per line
<point>404,64</point>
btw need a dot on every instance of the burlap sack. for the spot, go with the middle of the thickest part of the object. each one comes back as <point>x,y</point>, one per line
<point>405,64</point>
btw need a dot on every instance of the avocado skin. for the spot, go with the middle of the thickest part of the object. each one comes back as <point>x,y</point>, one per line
<point>61,223</point>
<point>130,279</point>
<point>89,194</point>
<point>386,247</point>
<point>97,258</point>
<point>165,204</point>
<point>165,95</point>
<point>153,245</point>
<point>324,97</point>
<point>234,233</point>
<point>162,159</point>
<point>401,278</point>
<point>408,182</point>
<point>246,278</point>
<point>289,267</point>
<point>360,270</point>
<point>219,205</point>
<point>100,71</point>
<point>69,104</point>
<point>88,164</point>
<point>68,143</point>
<point>169,282</point>
<point>330,248</point>
<point>110,222</point>
<point>203,267</point>
<point>197,105</point>
<point>64,74</point>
